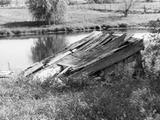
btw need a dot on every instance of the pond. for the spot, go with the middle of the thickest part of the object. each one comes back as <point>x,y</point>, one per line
<point>18,54</point>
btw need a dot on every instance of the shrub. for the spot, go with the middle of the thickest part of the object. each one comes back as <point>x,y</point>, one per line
<point>151,54</point>
<point>154,24</point>
<point>51,11</point>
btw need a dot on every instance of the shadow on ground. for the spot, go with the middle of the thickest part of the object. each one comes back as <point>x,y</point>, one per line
<point>24,24</point>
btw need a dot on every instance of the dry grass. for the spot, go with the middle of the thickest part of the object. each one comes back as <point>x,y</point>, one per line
<point>20,100</point>
<point>124,98</point>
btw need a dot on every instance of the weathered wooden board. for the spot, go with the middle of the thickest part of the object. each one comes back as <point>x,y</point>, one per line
<point>82,42</point>
<point>104,38</point>
<point>91,54</point>
<point>47,62</point>
<point>81,53</point>
<point>110,58</point>
<point>70,61</point>
<point>75,61</point>
<point>33,69</point>
<point>92,41</point>
<point>53,59</point>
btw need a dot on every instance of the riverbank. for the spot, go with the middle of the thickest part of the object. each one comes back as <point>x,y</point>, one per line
<point>18,22</point>
<point>23,99</point>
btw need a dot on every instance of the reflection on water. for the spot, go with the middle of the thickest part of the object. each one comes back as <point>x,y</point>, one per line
<point>47,46</point>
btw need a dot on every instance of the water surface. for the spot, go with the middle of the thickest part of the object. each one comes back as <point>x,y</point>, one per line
<point>18,54</point>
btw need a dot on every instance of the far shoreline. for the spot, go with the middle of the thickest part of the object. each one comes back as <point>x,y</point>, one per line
<point>7,32</point>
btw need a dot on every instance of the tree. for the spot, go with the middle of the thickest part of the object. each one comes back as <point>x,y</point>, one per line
<point>51,11</point>
<point>127,6</point>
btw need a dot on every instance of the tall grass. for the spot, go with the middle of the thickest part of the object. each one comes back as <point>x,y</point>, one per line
<point>125,98</point>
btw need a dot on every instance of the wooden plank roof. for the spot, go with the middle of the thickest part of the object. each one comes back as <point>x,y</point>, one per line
<point>91,54</point>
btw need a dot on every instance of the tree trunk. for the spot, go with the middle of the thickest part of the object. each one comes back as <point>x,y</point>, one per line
<point>126,13</point>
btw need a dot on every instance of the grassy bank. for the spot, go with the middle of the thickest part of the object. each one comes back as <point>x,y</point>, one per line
<point>124,98</point>
<point>86,17</point>
<point>88,14</point>
<point>118,97</point>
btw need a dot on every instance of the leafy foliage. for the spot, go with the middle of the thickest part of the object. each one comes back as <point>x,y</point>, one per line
<point>51,11</point>
<point>151,54</point>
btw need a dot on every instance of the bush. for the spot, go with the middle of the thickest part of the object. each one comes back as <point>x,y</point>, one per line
<point>154,23</point>
<point>151,54</point>
<point>51,11</point>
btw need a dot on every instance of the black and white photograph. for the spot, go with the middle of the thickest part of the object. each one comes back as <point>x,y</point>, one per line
<point>79,59</point>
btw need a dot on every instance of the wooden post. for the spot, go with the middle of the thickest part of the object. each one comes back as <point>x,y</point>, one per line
<point>138,68</point>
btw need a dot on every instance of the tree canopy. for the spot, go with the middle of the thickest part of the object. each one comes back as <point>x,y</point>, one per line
<point>51,11</point>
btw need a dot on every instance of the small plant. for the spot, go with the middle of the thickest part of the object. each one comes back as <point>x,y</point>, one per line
<point>128,4</point>
<point>154,24</point>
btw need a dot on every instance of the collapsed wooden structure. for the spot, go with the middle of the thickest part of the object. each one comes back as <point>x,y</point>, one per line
<point>99,51</point>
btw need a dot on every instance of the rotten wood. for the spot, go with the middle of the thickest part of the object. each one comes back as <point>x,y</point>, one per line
<point>93,53</point>
<point>108,59</point>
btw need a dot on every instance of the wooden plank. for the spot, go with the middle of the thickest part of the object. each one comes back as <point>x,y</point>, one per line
<point>114,43</point>
<point>33,69</point>
<point>63,72</point>
<point>82,42</point>
<point>87,56</point>
<point>109,59</point>
<point>44,63</point>
<point>58,57</point>
<point>70,61</point>
<point>92,41</point>
<point>79,53</point>
<point>104,38</point>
